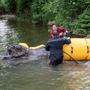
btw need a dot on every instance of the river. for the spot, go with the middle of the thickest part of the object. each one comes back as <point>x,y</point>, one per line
<point>37,74</point>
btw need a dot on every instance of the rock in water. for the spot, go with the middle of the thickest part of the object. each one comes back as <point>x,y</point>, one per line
<point>16,51</point>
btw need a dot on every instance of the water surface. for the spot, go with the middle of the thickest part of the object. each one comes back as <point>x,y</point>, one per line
<point>37,74</point>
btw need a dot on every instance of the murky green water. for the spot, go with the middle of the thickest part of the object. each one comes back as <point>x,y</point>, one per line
<point>29,33</point>
<point>37,74</point>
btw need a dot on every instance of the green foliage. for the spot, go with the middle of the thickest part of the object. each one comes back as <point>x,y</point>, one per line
<point>83,23</point>
<point>10,6</point>
<point>64,12</point>
<point>37,11</point>
<point>65,9</point>
<point>23,8</point>
<point>2,6</point>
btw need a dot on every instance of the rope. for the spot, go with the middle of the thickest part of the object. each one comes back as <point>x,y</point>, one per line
<point>71,57</point>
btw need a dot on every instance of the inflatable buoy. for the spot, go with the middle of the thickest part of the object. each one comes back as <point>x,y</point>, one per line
<point>24,45</point>
<point>37,47</point>
<point>79,49</point>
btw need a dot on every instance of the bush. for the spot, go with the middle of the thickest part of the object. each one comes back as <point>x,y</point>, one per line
<point>83,23</point>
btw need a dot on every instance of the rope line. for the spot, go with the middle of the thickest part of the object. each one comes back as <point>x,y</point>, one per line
<point>71,57</point>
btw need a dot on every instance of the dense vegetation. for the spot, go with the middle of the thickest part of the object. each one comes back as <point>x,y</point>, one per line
<point>73,14</point>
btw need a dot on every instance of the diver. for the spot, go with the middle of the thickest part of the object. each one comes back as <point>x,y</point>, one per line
<point>55,46</point>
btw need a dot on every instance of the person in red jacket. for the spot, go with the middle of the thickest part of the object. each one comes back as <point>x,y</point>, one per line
<point>61,32</point>
<point>53,30</point>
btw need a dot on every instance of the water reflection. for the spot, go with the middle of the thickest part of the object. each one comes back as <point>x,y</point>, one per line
<point>29,33</point>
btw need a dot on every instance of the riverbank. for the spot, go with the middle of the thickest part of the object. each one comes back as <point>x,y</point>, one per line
<point>7,16</point>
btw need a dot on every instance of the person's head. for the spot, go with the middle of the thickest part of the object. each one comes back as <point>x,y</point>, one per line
<point>63,30</point>
<point>59,25</point>
<point>51,23</point>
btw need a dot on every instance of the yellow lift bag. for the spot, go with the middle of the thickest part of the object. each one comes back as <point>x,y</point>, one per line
<point>79,49</point>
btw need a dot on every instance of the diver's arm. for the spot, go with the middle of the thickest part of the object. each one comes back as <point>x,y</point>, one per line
<point>47,47</point>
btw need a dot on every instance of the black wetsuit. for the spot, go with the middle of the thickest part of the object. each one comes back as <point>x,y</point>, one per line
<point>55,47</point>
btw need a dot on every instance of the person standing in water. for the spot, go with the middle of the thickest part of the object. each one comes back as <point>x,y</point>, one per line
<point>55,46</point>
